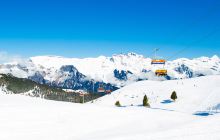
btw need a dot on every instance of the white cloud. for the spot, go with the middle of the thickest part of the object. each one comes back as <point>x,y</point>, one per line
<point>6,58</point>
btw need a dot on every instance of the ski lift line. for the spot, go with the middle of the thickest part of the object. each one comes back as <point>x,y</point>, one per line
<point>208,13</point>
<point>195,42</point>
<point>153,52</point>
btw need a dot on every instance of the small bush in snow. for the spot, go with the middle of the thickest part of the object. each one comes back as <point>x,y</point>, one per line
<point>145,101</point>
<point>117,103</point>
<point>173,95</point>
<point>81,100</point>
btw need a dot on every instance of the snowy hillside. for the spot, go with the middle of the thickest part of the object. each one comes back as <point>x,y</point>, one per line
<point>194,95</point>
<point>26,118</point>
<point>13,85</point>
<point>118,70</point>
<point>194,115</point>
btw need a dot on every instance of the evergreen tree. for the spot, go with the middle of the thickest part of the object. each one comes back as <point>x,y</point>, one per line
<point>173,95</point>
<point>81,100</point>
<point>145,101</point>
<point>117,103</point>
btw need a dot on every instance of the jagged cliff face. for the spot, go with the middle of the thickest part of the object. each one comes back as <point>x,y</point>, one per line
<point>112,72</point>
<point>68,77</point>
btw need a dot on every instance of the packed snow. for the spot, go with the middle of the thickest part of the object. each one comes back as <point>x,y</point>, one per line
<point>25,118</point>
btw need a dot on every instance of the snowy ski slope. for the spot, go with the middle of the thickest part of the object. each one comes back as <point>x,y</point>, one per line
<point>196,94</point>
<point>28,118</point>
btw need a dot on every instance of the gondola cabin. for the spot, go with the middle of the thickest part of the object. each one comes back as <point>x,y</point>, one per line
<point>158,61</point>
<point>161,72</point>
<point>108,91</point>
<point>101,90</point>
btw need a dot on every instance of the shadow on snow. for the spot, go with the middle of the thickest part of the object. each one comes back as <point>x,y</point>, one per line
<point>203,114</point>
<point>166,102</point>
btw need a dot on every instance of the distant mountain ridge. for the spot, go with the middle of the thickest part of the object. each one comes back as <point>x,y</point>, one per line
<point>112,72</point>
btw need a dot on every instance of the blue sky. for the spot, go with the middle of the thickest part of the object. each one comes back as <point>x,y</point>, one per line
<point>89,28</point>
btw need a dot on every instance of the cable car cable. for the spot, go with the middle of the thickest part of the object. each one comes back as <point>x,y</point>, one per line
<point>210,11</point>
<point>195,42</point>
<point>153,52</point>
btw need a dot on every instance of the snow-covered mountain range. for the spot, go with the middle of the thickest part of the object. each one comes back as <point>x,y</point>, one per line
<point>116,71</point>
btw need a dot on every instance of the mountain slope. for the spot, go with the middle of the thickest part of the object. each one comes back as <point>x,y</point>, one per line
<point>112,72</point>
<point>13,85</point>
<point>136,66</point>
<point>194,95</point>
